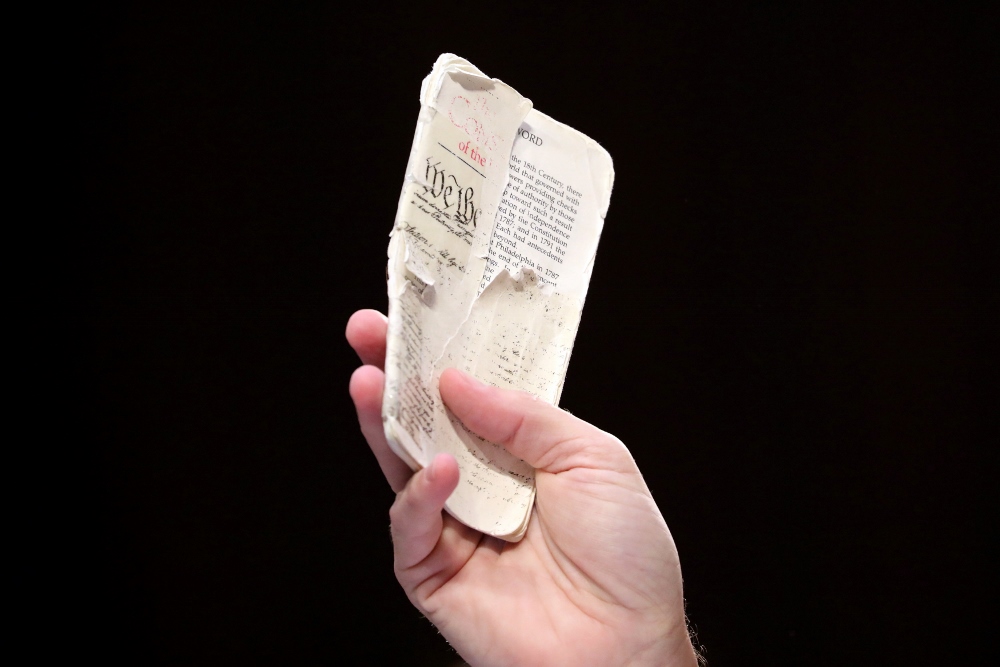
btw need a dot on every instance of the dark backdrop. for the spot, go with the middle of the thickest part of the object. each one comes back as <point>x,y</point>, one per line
<point>786,324</point>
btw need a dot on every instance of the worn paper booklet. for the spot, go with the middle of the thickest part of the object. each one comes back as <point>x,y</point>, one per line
<point>489,262</point>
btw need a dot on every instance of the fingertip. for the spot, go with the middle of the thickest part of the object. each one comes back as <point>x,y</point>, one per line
<point>354,322</point>
<point>452,377</point>
<point>363,318</point>
<point>366,385</point>
<point>443,471</point>
<point>455,383</point>
<point>366,332</point>
<point>440,478</point>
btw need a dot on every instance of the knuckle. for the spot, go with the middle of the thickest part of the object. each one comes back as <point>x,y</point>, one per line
<point>405,505</point>
<point>397,510</point>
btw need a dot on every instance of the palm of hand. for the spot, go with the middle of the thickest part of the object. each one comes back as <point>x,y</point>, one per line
<point>596,578</point>
<point>572,598</point>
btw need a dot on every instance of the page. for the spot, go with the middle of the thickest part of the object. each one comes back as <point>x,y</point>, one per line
<point>490,260</point>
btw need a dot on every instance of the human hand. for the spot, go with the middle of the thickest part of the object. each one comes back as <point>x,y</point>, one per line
<point>596,579</point>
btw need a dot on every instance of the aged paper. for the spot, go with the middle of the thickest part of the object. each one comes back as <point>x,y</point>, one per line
<point>489,262</point>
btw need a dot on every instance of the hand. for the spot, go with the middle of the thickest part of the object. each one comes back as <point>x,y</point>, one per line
<point>596,579</point>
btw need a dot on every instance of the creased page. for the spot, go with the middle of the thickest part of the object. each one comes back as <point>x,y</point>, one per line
<point>487,274</point>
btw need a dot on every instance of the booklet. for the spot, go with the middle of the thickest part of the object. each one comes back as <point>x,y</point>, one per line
<point>490,258</point>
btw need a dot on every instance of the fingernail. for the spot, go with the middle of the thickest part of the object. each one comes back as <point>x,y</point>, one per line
<point>431,471</point>
<point>468,379</point>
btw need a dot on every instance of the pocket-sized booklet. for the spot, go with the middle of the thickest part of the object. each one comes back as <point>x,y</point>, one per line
<point>490,258</point>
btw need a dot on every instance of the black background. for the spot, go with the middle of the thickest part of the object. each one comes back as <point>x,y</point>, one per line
<point>786,324</point>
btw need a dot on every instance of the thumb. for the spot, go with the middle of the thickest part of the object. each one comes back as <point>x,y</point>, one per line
<point>546,437</point>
